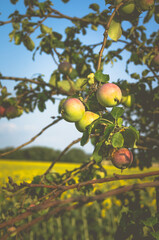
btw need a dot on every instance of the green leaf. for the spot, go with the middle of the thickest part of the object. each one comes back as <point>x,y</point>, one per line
<point>155,235</point>
<point>85,138</point>
<point>100,77</point>
<point>131,135</point>
<point>94,6</point>
<point>120,122</point>
<point>96,155</point>
<point>145,72</point>
<point>117,140</point>
<point>150,222</point>
<point>135,75</point>
<point>117,112</point>
<point>28,43</point>
<point>45,29</point>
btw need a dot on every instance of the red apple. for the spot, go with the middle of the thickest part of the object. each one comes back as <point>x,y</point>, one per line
<point>72,110</point>
<point>86,120</point>
<point>65,68</point>
<point>144,5</point>
<point>2,111</point>
<point>13,112</point>
<point>122,158</point>
<point>109,95</point>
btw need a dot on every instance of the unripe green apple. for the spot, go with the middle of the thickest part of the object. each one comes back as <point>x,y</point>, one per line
<point>128,100</point>
<point>122,158</point>
<point>144,5</point>
<point>2,111</point>
<point>65,68</point>
<point>127,8</point>
<point>86,120</point>
<point>72,110</point>
<point>109,95</point>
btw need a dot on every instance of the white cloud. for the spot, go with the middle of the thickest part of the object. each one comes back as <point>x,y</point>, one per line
<point>8,127</point>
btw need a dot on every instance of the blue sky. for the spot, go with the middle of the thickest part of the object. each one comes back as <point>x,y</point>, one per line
<point>17,61</point>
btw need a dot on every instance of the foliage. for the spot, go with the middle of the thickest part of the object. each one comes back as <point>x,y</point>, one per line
<point>134,127</point>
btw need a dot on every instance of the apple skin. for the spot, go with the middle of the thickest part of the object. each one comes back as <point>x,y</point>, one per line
<point>156,59</point>
<point>13,112</point>
<point>86,120</point>
<point>122,158</point>
<point>2,111</point>
<point>65,68</point>
<point>128,100</point>
<point>109,95</point>
<point>72,110</point>
<point>145,5</point>
<point>127,8</point>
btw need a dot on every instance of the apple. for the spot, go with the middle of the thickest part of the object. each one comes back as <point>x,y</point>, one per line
<point>65,68</point>
<point>156,59</point>
<point>122,158</point>
<point>128,100</point>
<point>145,5</point>
<point>86,120</point>
<point>109,95</point>
<point>13,112</point>
<point>72,110</point>
<point>2,111</point>
<point>127,8</point>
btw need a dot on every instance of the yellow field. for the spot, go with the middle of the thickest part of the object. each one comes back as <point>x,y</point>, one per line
<point>25,171</point>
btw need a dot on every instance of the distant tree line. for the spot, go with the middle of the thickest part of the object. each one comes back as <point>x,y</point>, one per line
<point>46,154</point>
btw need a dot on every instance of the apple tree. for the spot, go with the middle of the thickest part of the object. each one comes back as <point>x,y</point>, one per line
<point>119,117</point>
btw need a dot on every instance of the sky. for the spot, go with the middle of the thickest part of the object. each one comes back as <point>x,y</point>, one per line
<point>17,61</point>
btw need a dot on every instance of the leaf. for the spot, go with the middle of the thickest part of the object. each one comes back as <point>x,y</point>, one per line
<point>155,235</point>
<point>45,29</point>
<point>96,155</point>
<point>145,72</point>
<point>135,75</point>
<point>117,112</point>
<point>65,85</point>
<point>150,222</point>
<point>85,138</point>
<point>28,43</point>
<point>100,77</point>
<point>131,135</point>
<point>115,31</point>
<point>117,140</point>
<point>120,122</point>
<point>94,7</point>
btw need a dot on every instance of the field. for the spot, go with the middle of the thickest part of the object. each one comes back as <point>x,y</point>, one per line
<point>26,170</point>
<point>90,222</point>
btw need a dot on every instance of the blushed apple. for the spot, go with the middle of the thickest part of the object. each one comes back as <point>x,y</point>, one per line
<point>13,112</point>
<point>72,110</point>
<point>122,158</point>
<point>86,120</point>
<point>156,59</point>
<point>145,5</point>
<point>109,95</point>
<point>65,67</point>
<point>2,111</point>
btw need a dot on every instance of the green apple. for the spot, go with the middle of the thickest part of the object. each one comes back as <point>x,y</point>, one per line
<point>144,5</point>
<point>128,100</point>
<point>86,120</point>
<point>109,95</point>
<point>127,8</point>
<point>72,110</point>
<point>122,158</point>
<point>65,68</point>
<point>115,31</point>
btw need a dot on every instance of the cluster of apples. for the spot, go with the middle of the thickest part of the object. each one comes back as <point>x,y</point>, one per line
<point>108,95</point>
<point>10,111</point>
